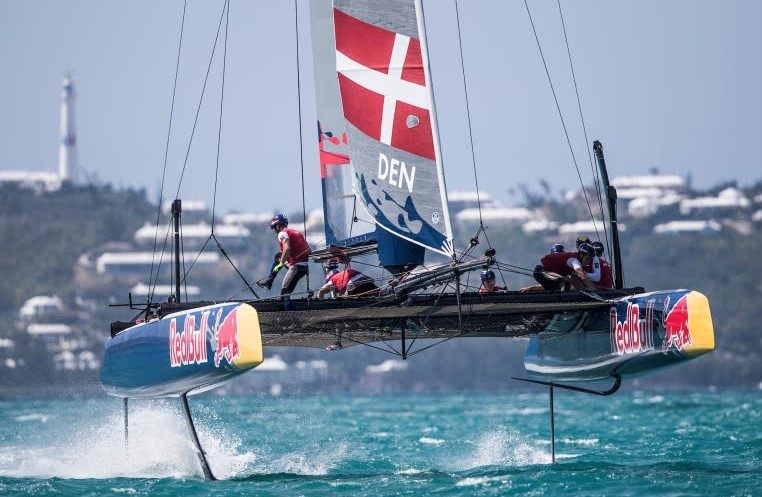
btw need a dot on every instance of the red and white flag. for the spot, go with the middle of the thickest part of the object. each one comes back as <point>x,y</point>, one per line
<point>383,85</point>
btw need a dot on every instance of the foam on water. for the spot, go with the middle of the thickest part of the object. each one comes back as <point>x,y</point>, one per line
<point>503,447</point>
<point>158,445</point>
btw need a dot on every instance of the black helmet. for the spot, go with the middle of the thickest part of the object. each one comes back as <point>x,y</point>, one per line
<point>488,275</point>
<point>556,248</point>
<point>582,239</point>
<point>598,246</point>
<point>279,220</point>
<point>585,249</point>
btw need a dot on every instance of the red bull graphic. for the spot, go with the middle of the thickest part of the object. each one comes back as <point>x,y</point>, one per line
<point>678,333</point>
<point>188,346</point>
<point>631,335</point>
<point>227,338</point>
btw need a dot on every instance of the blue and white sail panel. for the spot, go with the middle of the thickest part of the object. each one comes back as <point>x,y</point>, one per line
<point>346,221</point>
<point>386,97</point>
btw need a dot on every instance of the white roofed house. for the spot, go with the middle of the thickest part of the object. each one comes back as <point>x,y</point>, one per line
<point>41,307</point>
<point>231,236</point>
<point>679,227</point>
<point>141,263</point>
<point>248,218</point>
<point>663,182</point>
<point>470,207</point>
<point>648,205</point>
<point>192,210</point>
<point>592,229</point>
<point>516,215</point>
<point>459,201</point>
<point>647,194</point>
<point>728,201</point>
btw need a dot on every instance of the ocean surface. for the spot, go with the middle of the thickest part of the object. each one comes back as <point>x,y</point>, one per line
<point>634,443</point>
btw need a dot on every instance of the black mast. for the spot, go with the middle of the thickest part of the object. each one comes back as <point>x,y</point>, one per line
<point>611,201</point>
<point>176,209</point>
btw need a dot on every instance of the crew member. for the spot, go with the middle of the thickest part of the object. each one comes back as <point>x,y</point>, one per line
<point>294,254</point>
<point>606,280</point>
<point>488,283</point>
<point>567,266</point>
<point>348,282</point>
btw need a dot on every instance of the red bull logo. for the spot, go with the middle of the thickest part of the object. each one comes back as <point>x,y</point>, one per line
<point>678,333</point>
<point>189,345</point>
<point>227,338</point>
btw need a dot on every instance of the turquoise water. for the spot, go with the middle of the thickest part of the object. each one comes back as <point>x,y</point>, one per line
<point>630,444</point>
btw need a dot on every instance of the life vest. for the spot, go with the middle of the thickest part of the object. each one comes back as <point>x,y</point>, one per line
<point>557,262</point>
<point>342,279</point>
<point>606,281</point>
<point>300,251</point>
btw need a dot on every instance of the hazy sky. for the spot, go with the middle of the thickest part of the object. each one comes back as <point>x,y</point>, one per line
<point>668,84</point>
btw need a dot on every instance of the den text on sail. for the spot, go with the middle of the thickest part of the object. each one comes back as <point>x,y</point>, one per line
<point>396,172</point>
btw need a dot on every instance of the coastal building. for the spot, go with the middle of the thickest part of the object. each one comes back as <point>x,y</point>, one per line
<point>729,199</point>
<point>41,307</point>
<point>515,215</point>
<point>196,235</point>
<point>678,227</point>
<point>459,201</point>
<point>248,218</point>
<point>137,263</point>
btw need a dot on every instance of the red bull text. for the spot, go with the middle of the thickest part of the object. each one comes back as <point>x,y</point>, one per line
<point>631,335</point>
<point>188,346</point>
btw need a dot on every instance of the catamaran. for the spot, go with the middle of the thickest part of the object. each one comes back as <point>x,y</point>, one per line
<point>384,193</point>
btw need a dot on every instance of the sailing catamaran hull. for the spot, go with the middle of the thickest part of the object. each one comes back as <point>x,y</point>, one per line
<point>635,336</point>
<point>184,352</point>
<point>573,337</point>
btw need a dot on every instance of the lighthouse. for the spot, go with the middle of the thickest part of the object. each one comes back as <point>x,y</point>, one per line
<point>67,150</point>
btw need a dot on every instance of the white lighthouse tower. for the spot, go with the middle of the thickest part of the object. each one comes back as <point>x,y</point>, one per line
<point>67,151</point>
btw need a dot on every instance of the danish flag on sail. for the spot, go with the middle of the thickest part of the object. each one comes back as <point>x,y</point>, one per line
<point>383,85</point>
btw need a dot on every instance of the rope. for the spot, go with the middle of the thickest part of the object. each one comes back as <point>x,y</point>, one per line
<point>152,284</point>
<point>301,138</point>
<point>201,99</point>
<point>558,108</point>
<point>596,177</point>
<point>219,126</point>
<point>221,249</point>
<point>468,115</point>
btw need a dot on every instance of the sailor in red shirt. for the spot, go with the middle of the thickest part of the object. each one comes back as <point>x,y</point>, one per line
<point>567,264</point>
<point>294,255</point>
<point>488,283</point>
<point>348,282</point>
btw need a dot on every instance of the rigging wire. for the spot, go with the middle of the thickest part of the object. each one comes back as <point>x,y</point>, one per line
<point>219,126</point>
<point>301,137</point>
<point>468,117</point>
<point>201,99</point>
<point>596,177</point>
<point>152,283</point>
<point>558,108</point>
<point>217,168</point>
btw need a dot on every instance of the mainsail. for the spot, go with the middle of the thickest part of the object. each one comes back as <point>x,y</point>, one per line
<point>346,221</point>
<point>385,89</point>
